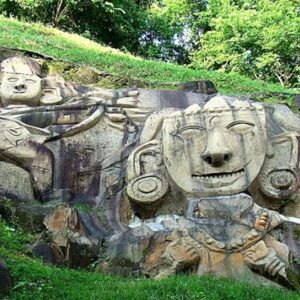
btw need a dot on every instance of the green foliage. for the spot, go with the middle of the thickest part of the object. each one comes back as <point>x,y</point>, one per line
<point>171,32</point>
<point>160,29</point>
<point>256,38</point>
<point>157,75</point>
<point>13,240</point>
<point>117,23</point>
<point>259,38</point>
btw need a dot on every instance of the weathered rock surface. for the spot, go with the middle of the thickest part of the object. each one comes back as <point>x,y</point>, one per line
<point>297,101</point>
<point>151,182</point>
<point>5,279</point>
<point>199,86</point>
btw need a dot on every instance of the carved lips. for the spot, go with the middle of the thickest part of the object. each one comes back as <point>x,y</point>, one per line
<point>224,178</point>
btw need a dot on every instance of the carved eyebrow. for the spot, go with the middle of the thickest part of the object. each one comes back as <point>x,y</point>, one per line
<point>196,126</point>
<point>240,122</point>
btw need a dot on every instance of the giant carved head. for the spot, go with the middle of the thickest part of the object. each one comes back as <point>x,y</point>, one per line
<point>215,150</point>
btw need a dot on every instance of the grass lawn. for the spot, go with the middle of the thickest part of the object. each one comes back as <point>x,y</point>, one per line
<point>34,280</point>
<point>155,74</point>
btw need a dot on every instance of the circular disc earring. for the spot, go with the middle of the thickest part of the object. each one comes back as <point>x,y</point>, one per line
<point>147,189</point>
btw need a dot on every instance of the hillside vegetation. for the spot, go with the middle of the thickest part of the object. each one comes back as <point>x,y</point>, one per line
<point>256,38</point>
<point>153,74</point>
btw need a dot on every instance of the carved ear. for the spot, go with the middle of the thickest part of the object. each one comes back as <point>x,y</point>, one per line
<point>279,177</point>
<point>145,174</point>
<point>3,102</point>
<point>51,96</point>
<point>153,125</point>
<point>270,150</point>
<point>51,91</point>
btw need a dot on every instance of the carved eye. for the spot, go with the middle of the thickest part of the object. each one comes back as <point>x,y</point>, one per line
<point>12,79</point>
<point>48,92</point>
<point>240,126</point>
<point>15,131</point>
<point>190,128</point>
<point>29,80</point>
<point>189,131</point>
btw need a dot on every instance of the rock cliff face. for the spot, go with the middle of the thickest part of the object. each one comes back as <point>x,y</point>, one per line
<point>150,182</point>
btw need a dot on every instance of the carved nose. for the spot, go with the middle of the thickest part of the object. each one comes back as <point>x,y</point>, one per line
<point>20,87</point>
<point>217,159</point>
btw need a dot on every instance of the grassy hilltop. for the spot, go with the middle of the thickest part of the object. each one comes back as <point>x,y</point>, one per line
<point>34,280</point>
<point>76,49</point>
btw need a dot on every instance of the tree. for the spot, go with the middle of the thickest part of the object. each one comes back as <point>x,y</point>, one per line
<point>161,29</point>
<point>258,38</point>
<point>170,31</point>
<point>118,23</point>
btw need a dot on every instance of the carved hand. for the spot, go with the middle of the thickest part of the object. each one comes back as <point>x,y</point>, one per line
<point>260,257</point>
<point>262,222</point>
<point>183,249</point>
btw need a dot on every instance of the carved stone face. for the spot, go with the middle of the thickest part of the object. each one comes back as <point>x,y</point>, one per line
<point>217,150</point>
<point>20,89</point>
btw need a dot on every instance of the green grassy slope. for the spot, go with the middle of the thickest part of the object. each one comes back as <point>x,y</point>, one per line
<point>73,48</point>
<point>33,280</point>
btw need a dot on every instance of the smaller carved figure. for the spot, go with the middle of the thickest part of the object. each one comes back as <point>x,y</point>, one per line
<point>224,235</point>
<point>22,83</point>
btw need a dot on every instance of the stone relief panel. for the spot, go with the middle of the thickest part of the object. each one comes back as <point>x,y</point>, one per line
<point>170,182</point>
<point>206,158</point>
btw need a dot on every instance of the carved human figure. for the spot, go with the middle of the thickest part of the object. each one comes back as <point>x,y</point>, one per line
<point>210,156</point>
<point>24,132</point>
<point>211,244</point>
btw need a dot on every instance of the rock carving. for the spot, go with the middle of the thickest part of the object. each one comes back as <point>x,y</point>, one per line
<point>170,182</point>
